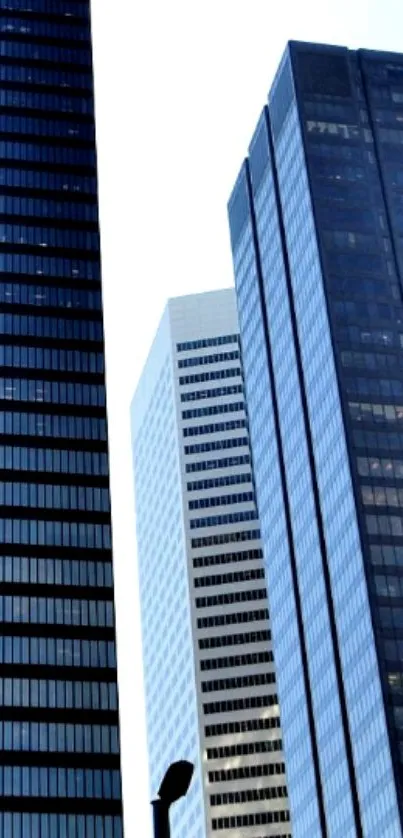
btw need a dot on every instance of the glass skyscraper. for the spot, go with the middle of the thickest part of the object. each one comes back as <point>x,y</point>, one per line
<point>59,735</point>
<point>209,677</point>
<point>316,220</point>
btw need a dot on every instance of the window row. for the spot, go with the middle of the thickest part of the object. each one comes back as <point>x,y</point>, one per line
<point>336,110</point>
<point>39,127</point>
<point>60,651</point>
<point>346,217</point>
<point>48,237</point>
<point>56,611</point>
<point>45,28</point>
<point>55,533</point>
<point>203,343</point>
<point>228,578</point>
<point>245,772</point>
<point>384,525</point>
<point>248,725</point>
<point>55,102</point>
<point>391,618</point>
<point>216,482</point>
<point>223,462</point>
<point>334,129</point>
<point>370,360</point>
<point>372,412</point>
<point>212,410</point>
<point>247,795</point>
<point>390,135</point>
<point>17,458</point>
<point>214,375</point>
<point>248,659</point>
<point>52,496</point>
<point>224,538</point>
<point>65,182</point>
<point>48,208</point>
<point>223,520</point>
<point>336,172</point>
<point>238,683</point>
<point>374,386</point>
<point>53,425</point>
<point>398,715</point>
<point>346,240</point>
<point>53,77</point>
<point>216,445</point>
<point>386,554</point>
<point>57,328</point>
<point>50,571</point>
<point>35,824</point>
<point>352,263</point>
<point>338,152</point>
<point>244,749</point>
<point>393,651</point>
<point>235,639</point>
<point>388,586</point>
<point>257,819</point>
<point>372,440</point>
<point>43,52</point>
<point>52,392</point>
<point>230,598</point>
<point>251,702</point>
<point>345,310</point>
<point>364,289</point>
<point>36,357</point>
<point>216,392</point>
<point>63,695</point>
<point>386,93</point>
<point>200,360</point>
<point>227,558</point>
<point>231,619</point>
<point>35,781</point>
<point>222,500</point>
<point>215,428</point>
<point>59,296</point>
<point>381,496</point>
<point>58,738</point>
<point>21,263</point>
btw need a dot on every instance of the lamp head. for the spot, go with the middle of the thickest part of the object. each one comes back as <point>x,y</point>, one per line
<point>176,781</point>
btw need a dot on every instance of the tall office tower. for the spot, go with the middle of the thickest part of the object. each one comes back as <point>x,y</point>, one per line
<point>316,220</point>
<point>208,663</point>
<point>59,743</point>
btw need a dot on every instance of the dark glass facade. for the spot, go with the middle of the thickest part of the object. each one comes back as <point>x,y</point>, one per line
<point>59,732</point>
<point>316,219</point>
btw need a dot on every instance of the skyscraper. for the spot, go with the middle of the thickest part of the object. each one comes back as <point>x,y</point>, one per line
<point>316,220</point>
<point>208,662</point>
<point>59,741</point>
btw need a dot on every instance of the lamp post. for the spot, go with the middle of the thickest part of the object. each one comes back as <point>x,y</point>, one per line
<point>175,784</point>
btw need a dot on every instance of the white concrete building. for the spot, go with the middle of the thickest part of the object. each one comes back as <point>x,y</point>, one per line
<point>208,661</point>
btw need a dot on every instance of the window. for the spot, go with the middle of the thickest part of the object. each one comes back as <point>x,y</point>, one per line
<point>234,639</point>
<point>224,538</point>
<point>248,725</point>
<point>221,500</point>
<point>231,390</point>
<point>248,659</point>
<point>231,598</point>
<point>246,703</point>
<point>228,578</point>
<point>230,619</point>
<point>205,342</point>
<point>222,520</point>
<point>199,360</point>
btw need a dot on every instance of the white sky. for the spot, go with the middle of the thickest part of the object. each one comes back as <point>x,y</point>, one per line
<point>179,88</point>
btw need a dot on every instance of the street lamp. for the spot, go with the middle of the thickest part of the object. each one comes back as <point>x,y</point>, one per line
<point>174,785</point>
